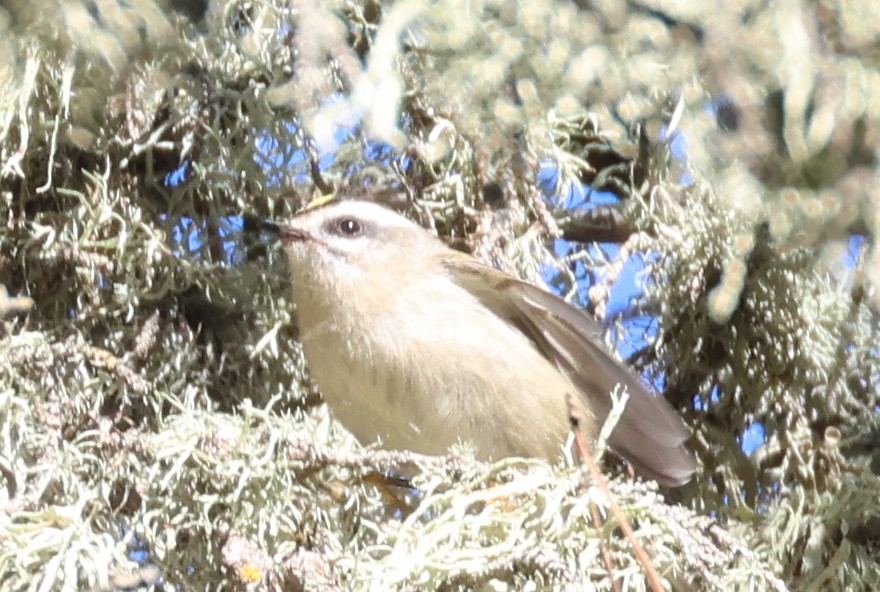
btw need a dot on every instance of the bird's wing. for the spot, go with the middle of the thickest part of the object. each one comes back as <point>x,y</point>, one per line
<point>650,434</point>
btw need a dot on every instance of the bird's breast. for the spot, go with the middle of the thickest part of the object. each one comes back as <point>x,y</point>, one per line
<point>443,369</point>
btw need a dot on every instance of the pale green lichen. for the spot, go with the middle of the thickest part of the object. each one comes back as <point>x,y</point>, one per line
<point>155,393</point>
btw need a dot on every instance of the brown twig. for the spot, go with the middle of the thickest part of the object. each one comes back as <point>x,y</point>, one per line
<point>586,456</point>
<point>386,483</point>
<point>96,356</point>
<point>317,175</point>
<point>17,305</point>
<point>603,546</point>
<point>305,454</point>
<point>605,224</point>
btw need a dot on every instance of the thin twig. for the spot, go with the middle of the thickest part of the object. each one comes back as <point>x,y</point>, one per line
<point>603,546</point>
<point>386,483</point>
<point>96,356</point>
<point>587,458</point>
<point>16,305</point>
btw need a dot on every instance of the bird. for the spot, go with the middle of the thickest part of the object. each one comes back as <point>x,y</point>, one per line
<point>417,346</point>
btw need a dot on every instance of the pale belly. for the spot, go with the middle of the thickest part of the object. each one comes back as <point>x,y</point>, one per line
<point>490,388</point>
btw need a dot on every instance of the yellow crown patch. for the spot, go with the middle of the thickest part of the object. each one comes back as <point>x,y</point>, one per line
<point>320,201</point>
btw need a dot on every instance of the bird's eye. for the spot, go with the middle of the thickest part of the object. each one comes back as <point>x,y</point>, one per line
<point>349,226</point>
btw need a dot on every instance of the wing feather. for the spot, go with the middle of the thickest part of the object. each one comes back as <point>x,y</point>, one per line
<point>650,434</point>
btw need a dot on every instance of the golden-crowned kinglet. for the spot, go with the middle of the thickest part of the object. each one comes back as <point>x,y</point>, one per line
<point>418,346</point>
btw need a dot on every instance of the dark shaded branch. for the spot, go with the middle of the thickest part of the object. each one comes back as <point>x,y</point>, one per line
<point>604,224</point>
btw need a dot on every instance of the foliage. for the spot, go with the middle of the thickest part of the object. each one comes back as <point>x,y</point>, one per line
<point>153,395</point>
